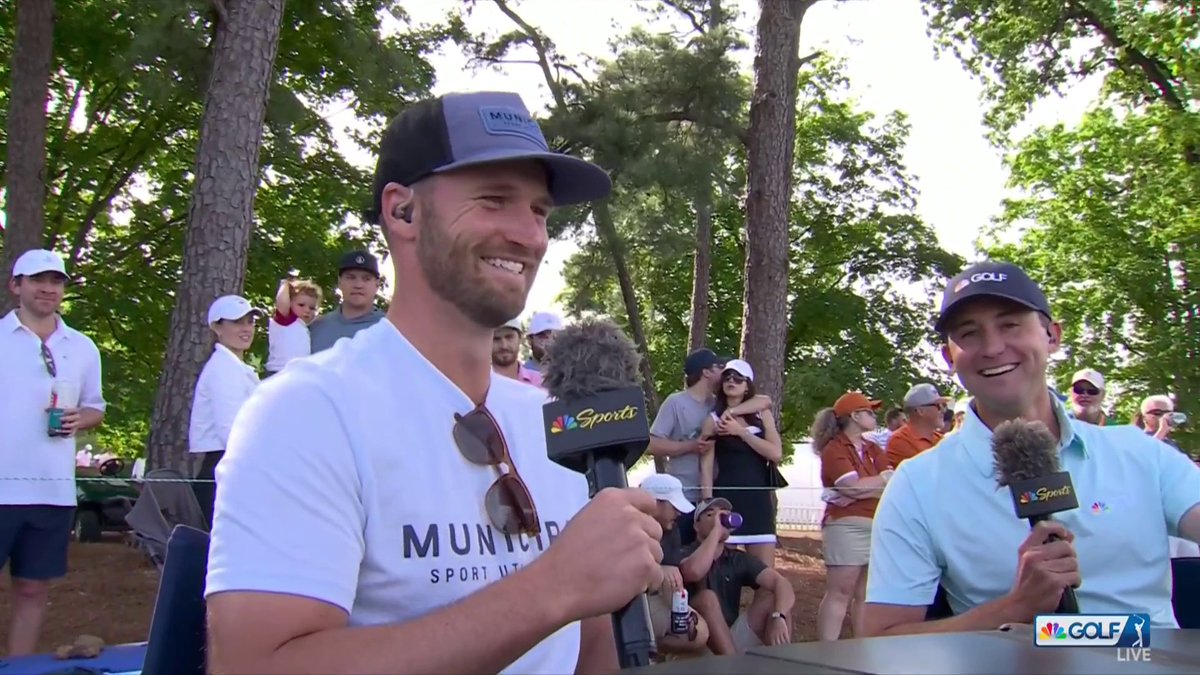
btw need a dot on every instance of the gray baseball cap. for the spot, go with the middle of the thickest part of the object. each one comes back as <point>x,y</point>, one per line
<point>924,394</point>
<point>459,130</point>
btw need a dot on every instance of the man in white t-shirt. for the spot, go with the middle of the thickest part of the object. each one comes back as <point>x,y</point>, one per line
<point>40,357</point>
<point>388,505</point>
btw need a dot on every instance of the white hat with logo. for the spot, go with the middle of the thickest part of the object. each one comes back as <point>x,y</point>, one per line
<point>741,368</point>
<point>667,488</point>
<point>36,261</point>
<point>231,308</point>
<point>544,321</point>
<point>1088,375</point>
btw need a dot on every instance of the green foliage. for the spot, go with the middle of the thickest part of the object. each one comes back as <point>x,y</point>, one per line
<point>1115,245</point>
<point>126,99</point>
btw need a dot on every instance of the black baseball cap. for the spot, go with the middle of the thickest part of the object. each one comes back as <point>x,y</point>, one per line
<point>700,360</point>
<point>991,279</point>
<point>359,260</point>
<point>468,129</point>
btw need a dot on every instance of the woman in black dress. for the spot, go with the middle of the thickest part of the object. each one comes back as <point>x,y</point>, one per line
<point>739,467</point>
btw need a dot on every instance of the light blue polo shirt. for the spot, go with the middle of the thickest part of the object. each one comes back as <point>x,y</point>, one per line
<point>943,519</point>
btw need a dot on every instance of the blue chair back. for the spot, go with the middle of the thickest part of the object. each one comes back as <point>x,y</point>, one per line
<point>176,645</point>
<point>1185,593</point>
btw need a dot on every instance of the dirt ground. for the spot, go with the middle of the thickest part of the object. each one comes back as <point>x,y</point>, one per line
<point>109,592</point>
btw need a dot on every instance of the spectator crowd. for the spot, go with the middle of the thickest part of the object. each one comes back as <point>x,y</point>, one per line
<point>421,429</point>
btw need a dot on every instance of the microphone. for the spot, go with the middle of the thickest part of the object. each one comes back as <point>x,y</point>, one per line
<point>596,425</point>
<point>1026,456</point>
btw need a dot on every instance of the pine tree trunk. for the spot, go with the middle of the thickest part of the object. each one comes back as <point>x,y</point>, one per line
<point>769,186</point>
<point>25,189</point>
<point>701,268</point>
<point>221,213</point>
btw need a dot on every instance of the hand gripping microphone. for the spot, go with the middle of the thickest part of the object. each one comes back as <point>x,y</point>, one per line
<point>596,425</point>
<point>1027,464</point>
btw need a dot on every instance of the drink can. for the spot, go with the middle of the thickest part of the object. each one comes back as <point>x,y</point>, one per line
<point>1177,419</point>
<point>64,395</point>
<point>680,613</point>
<point>731,520</point>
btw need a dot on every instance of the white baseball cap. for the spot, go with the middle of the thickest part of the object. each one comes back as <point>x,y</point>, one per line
<point>1157,401</point>
<point>513,323</point>
<point>36,261</point>
<point>667,488</point>
<point>230,308</point>
<point>1089,375</point>
<point>741,368</point>
<point>544,321</point>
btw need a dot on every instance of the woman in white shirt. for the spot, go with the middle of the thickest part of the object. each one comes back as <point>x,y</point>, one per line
<point>223,386</point>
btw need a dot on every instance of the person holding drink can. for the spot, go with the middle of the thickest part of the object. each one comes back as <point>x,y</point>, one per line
<point>51,393</point>
<point>716,572</point>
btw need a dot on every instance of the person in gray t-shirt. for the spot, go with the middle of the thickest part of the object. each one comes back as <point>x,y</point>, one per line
<point>675,433</point>
<point>358,281</point>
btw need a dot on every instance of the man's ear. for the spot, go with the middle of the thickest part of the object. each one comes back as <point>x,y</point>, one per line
<point>1054,334</point>
<point>946,356</point>
<point>396,211</point>
<point>14,285</point>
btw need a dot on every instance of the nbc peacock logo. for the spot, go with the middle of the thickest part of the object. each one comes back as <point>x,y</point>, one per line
<point>563,423</point>
<point>1053,631</point>
<point>1027,497</point>
<point>1099,507</point>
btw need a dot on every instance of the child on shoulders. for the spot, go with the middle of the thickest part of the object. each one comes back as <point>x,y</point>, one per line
<point>296,305</point>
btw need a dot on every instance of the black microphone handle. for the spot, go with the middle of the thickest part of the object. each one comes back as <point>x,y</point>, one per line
<point>1068,603</point>
<point>631,623</point>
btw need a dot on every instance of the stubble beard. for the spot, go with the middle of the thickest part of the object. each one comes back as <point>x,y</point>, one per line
<point>443,263</point>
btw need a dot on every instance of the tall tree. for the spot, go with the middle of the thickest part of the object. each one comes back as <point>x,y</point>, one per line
<point>24,177</point>
<point>769,187</point>
<point>222,206</point>
<point>853,240</point>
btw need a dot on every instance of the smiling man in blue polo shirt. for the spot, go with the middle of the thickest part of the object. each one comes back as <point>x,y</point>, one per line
<point>942,519</point>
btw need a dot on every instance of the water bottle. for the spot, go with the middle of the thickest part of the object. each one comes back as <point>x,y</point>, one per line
<point>731,520</point>
<point>680,613</point>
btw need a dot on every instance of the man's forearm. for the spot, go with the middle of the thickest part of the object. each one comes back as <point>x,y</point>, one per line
<point>484,632</point>
<point>785,598</point>
<point>597,648</point>
<point>89,418</point>
<point>662,447</point>
<point>696,566</point>
<point>755,405</point>
<point>988,616</point>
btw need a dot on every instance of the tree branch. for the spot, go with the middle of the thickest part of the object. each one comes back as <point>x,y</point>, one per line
<point>219,8</point>
<point>542,49</point>
<point>805,60</point>
<point>1130,57</point>
<point>691,17</point>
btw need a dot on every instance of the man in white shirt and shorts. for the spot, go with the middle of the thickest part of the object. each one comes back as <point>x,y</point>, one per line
<point>41,358</point>
<point>388,505</point>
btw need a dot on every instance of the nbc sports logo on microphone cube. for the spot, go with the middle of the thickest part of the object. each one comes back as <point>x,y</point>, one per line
<point>1128,633</point>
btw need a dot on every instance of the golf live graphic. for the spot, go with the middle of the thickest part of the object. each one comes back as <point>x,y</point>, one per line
<point>1130,633</point>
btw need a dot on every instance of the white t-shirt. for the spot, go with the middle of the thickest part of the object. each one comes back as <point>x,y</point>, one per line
<point>342,482</point>
<point>286,342</point>
<point>222,388</point>
<point>34,467</point>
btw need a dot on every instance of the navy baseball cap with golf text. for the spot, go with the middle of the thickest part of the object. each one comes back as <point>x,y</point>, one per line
<point>459,130</point>
<point>995,280</point>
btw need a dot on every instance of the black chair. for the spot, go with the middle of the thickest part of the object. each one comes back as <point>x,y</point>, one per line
<point>176,645</point>
<point>1185,593</point>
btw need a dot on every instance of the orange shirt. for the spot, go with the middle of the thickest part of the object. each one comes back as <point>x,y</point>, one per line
<point>838,458</point>
<point>907,443</point>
